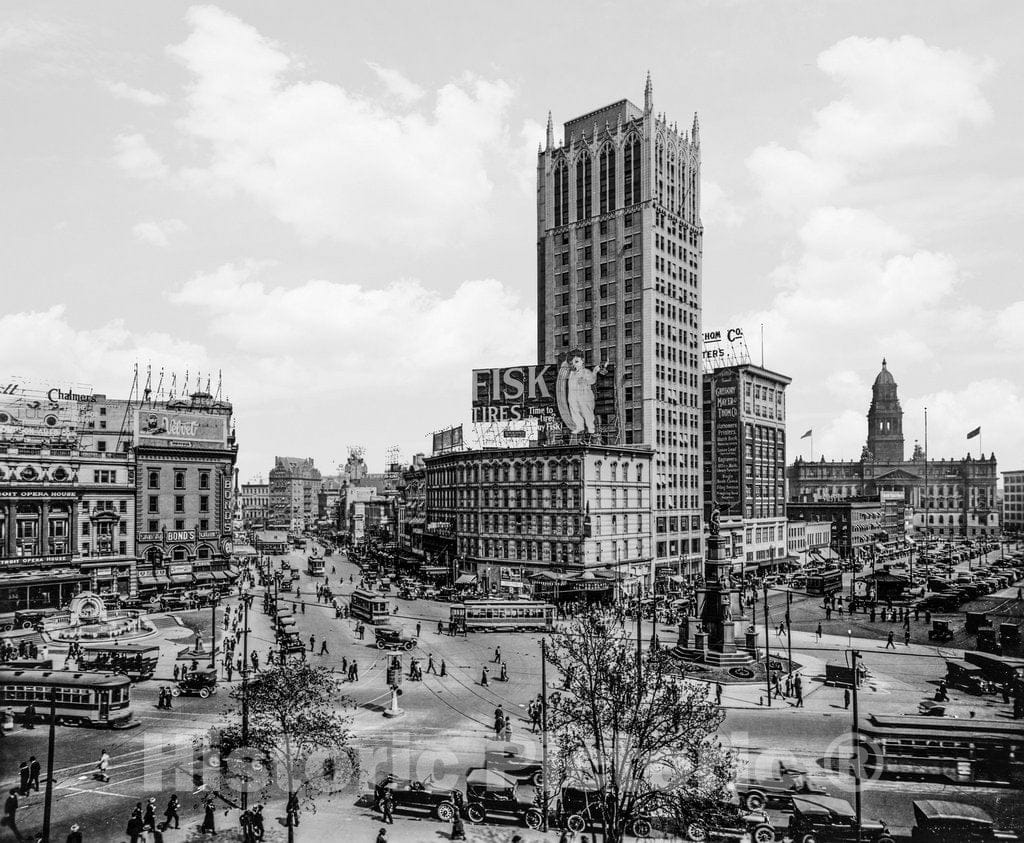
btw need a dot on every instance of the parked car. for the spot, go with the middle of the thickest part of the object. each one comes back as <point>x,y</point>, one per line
<point>418,796</point>
<point>939,822</point>
<point>579,808</point>
<point>507,758</point>
<point>825,819</point>
<point>774,791</point>
<point>490,794</point>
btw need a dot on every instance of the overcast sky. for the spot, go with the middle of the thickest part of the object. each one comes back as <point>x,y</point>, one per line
<point>333,203</point>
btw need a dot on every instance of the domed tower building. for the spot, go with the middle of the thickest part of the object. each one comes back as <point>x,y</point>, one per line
<point>876,501</point>
<point>885,419</point>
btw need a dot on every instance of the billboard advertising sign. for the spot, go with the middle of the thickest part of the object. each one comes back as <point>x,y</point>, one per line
<point>568,393</point>
<point>155,426</point>
<point>449,439</point>
<point>724,347</point>
<point>727,468</point>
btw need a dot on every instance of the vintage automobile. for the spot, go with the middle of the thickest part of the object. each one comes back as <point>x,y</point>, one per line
<point>493,795</point>
<point>507,758</point>
<point>940,631</point>
<point>826,819</point>
<point>938,821</point>
<point>775,791</point>
<point>413,795</point>
<point>199,683</point>
<point>393,638</point>
<point>578,808</point>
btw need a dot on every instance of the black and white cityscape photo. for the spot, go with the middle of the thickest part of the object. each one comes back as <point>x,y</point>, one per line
<point>583,422</point>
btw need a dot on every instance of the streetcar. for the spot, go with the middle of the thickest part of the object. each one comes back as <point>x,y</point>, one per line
<point>368,606</point>
<point>315,566</point>
<point>981,752</point>
<point>502,616</point>
<point>825,582</point>
<point>81,698</point>
<point>136,661</point>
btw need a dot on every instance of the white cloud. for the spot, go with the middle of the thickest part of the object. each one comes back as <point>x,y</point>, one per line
<point>1009,327</point>
<point>158,232</point>
<point>123,91</point>
<point>330,163</point>
<point>134,155</point>
<point>898,94</point>
<point>994,404</point>
<point>789,179</point>
<point>717,207</point>
<point>397,84</point>
<point>46,341</point>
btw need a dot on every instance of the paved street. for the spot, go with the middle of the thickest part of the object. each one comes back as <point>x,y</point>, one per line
<point>446,725</point>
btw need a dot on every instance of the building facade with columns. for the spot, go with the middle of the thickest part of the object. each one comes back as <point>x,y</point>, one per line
<point>67,524</point>
<point>948,498</point>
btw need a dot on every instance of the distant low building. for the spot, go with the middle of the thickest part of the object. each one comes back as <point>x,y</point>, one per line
<point>1013,502</point>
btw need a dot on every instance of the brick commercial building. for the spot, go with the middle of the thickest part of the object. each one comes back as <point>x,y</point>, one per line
<point>744,417</point>
<point>255,502</point>
<point>1013,502</point>
<point>294,487</point>
<point>185,454</point>
<point>506,514</point>
<point>949,498</point>
<point>619,250</point>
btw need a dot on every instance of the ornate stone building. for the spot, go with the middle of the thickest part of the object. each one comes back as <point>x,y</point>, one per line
<point>948,497</point>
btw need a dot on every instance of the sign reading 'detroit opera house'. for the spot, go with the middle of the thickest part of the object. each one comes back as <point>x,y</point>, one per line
<point>567,393</point>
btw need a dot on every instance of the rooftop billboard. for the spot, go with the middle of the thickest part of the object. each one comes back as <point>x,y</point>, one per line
<point>155,426</point>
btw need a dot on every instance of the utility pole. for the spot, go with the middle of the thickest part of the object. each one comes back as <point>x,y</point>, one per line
<point>767,653</point>
<point>213,633</point>
<point>789,632</point>
<point>245,686</point>
<point>855,734</point>
<point>544,732</point>
<point>47,806</point>
<point>639,644</point>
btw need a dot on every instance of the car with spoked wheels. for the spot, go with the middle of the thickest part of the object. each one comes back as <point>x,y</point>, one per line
<point>759,792</point>
<point>704,820</point>
<point>419,796</point>
<point>199,683</point>
<point>493,795</point>
<point>579,808</point>
<point>826,819</point>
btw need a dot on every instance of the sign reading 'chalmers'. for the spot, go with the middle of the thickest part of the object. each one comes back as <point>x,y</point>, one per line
<point>164,427</point>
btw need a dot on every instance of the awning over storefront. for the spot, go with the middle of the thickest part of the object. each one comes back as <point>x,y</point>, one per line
<point>181,579</point>
<point>153,580</point>
<point>220,575</point>
<point>466,579</point>
<point>433,570</point>
<point>203,576</point>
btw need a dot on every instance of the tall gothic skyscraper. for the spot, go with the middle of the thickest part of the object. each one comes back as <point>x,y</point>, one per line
<point>619,245</point>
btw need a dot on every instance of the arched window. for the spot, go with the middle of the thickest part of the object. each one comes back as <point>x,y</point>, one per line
<point>561,194</point>
<point>607,178</point>
<point>597,470</point>
<point>631,170</point>
<point>584,187</point>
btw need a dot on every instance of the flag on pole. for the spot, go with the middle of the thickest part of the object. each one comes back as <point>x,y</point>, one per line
<point>809,432</point>
<point>973,433</point>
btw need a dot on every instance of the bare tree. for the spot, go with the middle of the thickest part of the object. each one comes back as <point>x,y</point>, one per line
<point>630,732</point>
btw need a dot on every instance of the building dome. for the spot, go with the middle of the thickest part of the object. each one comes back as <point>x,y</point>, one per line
<point>885,377</point>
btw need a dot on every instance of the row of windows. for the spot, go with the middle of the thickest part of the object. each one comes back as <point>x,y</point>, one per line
<point>179,478</point>
<point>179,503</point>
<point>632,181</point>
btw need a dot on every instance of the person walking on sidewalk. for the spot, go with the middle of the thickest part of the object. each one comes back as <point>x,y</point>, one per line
<point>718,693</point>
<point>323,648</point>
<point>171,812</point>
<point>817,632</point>
<point>483,677</point>
<point>497,655</point>
<point>11,812</point>
<point>387,807</point>
<point>208,826</point>
<point>382,836</point>
<point>889,642</point>
<point>430,664</point>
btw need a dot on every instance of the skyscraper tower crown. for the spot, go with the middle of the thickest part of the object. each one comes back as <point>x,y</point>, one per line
<point>885,419</point>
